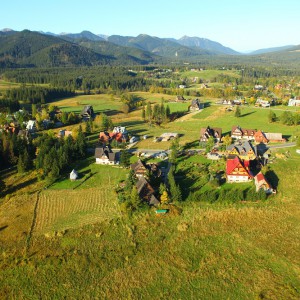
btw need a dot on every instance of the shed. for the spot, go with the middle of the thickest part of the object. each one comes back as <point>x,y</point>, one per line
<point>73,175</point>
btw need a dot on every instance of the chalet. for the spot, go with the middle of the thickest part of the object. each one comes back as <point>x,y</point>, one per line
<point>140,169</point>
<point>275,137</point>
<point>245,151</point>
<point>73,175</point>
<point>105,156</point>
<point>260,137</point>
<point>87,112</point>
<point>196,105</point>
<point>294,102</point>
<point>238,133</point>
<point>206,133</point>
<point>236,171</point>
<point>262,103</point>
<point>146,191</point>
<point>261,183</point>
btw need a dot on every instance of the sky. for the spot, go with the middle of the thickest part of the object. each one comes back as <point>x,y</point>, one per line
<point>242,25</point>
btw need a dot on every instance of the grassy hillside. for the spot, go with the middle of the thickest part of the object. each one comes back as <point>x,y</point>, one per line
<point>236,251</point>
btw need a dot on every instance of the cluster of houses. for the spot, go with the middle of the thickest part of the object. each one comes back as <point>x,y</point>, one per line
<point>144,188</point>
<point>244,158</point>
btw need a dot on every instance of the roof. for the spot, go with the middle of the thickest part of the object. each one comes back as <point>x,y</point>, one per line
<point>215,132</point>
<point>244,132</point>
<point>138,165</point>
<point>274,136</point>
<point>73,174</point>
<point>232,164</point>
<point>100,151</point>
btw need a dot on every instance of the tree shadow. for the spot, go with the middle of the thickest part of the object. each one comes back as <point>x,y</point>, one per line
<point>247,114</point>
<point>14,188</point>
<point>3,227</point>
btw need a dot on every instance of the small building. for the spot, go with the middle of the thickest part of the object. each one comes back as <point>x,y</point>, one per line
<point>261,183</point>
<point>31,126</point>
<point>133,139</point>
<point>105,156</point>
<point>73,175</point>
<point>236,171</point>
<point>206,133</point>
<point>87,112</point>
<point>262,103</point>
<point>213,156</point>
<point>196,105</point>
<point>294,102</point>
<point>169,136</point>
<point>275,137</point>
<point>260,137</point>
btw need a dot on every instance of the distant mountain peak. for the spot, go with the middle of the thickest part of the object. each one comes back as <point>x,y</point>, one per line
<point>6,30</point>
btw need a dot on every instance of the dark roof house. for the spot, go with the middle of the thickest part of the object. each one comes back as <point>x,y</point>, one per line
<point>105,156</point>
<point>206,133</point>
<point>196,105</point>
<point>87,112</point>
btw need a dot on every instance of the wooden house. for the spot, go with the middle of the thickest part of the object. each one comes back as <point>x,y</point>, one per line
<point>87,112</point>
<point>275,137</point>
<point>245,151</point>
<point>105,156</point>
<point>73,175</point>
<point>146,191</point>
<point>260,137</point>
<point>196,105</point>
<point>261,183</point>
<point>140,169</point>
<point>238,133</point>
<point>236,171</point>
<point>206,133</point>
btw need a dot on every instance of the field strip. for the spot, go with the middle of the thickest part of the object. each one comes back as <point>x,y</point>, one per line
<point>63,209</point>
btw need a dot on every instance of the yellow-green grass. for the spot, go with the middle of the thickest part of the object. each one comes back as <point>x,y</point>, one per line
<point>232,251</point>
<point>210,74</point>
<point>100,103</point>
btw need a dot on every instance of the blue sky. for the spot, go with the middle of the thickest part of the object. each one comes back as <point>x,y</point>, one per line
<point>238,24</point>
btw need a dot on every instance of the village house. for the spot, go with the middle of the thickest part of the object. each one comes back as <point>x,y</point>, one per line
<point>87,112</point>
<point>236,171</point>
<point>238,133</point>
<point>140,169</point>
<point>206,133</point>
<point>196,105</point>
<point>294,102</point>
<point>262,103</point>
<point>245,151</point>
<point>105,156</point>
<point>260,137</point>
<point>146,191</point>
<point>261,183</point>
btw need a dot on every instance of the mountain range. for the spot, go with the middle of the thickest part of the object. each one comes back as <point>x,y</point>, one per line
<point>37,49</point>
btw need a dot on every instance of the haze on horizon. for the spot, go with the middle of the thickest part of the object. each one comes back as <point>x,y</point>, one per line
<point>240,25</point>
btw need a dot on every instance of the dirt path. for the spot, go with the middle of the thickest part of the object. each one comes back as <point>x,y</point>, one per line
<point>187,117</point>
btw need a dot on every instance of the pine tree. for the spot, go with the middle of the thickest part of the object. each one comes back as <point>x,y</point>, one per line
<point>135,199</point>
<point>164,199</point>
<point>125,158</point>
<point>237,112</point>
<point>21,165</point>
<point>149,112</point>
<point>143,113</point>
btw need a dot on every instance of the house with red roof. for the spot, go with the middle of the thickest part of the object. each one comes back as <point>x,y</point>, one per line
<point>260,137</point>
<point>261,183</point>
<point>237,171</point>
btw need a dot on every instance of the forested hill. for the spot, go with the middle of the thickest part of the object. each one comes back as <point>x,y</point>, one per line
<point>33,49</point>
